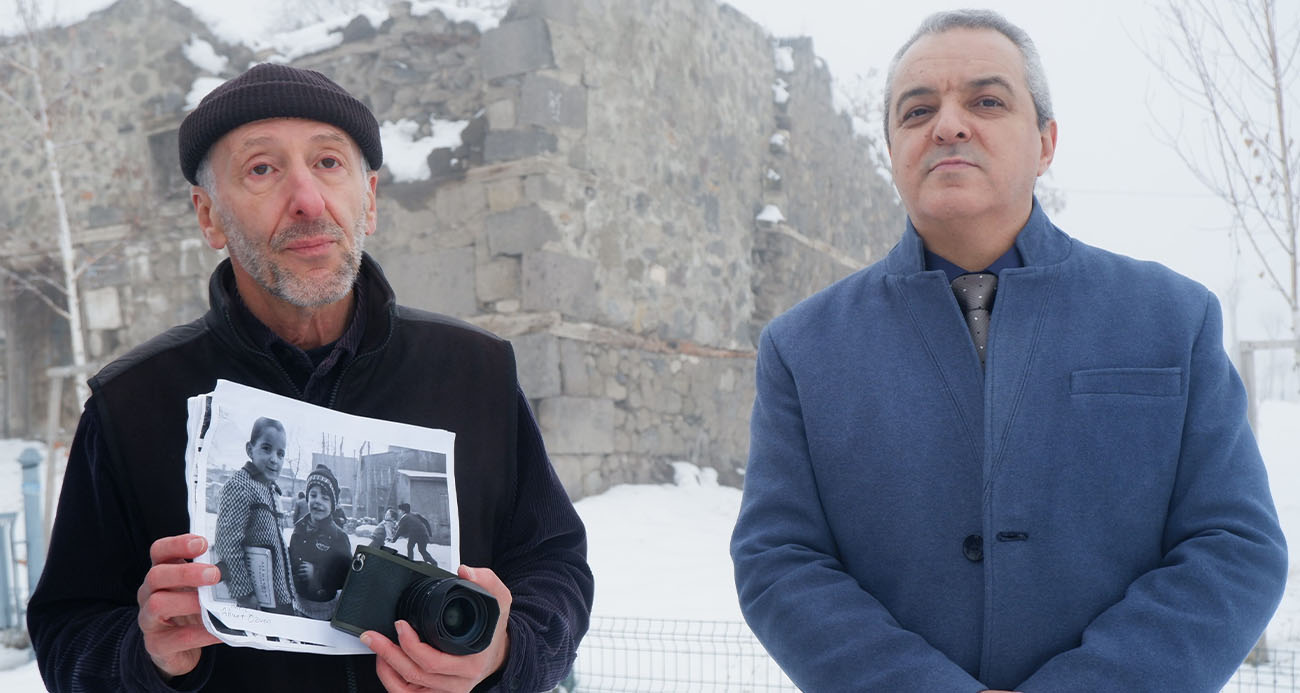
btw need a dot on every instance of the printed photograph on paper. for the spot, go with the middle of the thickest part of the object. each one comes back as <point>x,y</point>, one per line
<point>285,491</point>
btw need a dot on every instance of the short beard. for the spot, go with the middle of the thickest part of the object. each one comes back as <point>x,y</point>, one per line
<point>283,284</point>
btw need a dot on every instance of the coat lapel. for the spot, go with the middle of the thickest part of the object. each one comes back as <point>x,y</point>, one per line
<point>942,331</point>
<point>1019,312</point>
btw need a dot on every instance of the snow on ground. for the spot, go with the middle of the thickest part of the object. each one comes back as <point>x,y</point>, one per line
<point>661,551</point>
<point>1279,443</point>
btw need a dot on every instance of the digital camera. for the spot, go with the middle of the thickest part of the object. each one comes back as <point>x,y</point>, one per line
<point>451,614</point>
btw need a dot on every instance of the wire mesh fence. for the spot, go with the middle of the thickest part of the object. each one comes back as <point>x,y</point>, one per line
<point>1280,673</point>
<point>646,655</point>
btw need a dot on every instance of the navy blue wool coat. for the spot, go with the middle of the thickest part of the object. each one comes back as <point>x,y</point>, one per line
<point>1090,513</point>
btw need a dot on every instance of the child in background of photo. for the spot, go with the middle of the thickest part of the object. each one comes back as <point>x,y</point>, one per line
<point>319,550</point>
<point>417,531</point>
<point>385,529</point>
<point>250,548</point>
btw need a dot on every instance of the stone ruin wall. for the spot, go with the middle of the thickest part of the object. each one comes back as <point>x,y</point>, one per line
<point>601,213</point>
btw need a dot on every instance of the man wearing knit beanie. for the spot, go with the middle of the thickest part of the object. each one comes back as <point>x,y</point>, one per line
<point>283,163</point>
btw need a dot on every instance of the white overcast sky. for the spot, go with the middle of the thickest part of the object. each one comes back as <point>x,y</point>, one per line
<point>1125,189</point>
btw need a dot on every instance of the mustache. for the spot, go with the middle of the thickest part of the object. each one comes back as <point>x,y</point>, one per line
<point>956,151</point>
<point>307,229</point>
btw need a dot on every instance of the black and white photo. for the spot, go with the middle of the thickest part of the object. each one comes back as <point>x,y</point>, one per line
<point>286,491</point>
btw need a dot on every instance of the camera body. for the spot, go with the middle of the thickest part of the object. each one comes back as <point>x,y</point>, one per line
<point>454,615</point>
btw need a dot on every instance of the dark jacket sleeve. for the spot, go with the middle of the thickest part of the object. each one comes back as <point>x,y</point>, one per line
<point>542,558</point>
<point>83,614</point>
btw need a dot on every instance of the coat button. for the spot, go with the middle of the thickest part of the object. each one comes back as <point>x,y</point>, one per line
<point>973,548</point>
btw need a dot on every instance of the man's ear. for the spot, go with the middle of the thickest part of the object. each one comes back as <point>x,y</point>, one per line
<point>1048,138</point>
<point>372,209</point>
<point>209,221</point>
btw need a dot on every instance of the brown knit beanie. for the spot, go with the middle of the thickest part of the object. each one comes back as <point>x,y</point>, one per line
<point>275,91</point>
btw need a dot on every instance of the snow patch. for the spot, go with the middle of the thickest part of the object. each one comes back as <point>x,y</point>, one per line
<point>771,214</point>
<point>780,91</point>
<point>407,155</point>
<point>11,658</point>
<point>274,29</point>
<point>201,87</point>
<point>687,474</point>
<point>204,56</point>
<point>52,14</point>
<point>485,18</point>
<point>680,534</point>
<point>784,56</point>
<point>773,176</point>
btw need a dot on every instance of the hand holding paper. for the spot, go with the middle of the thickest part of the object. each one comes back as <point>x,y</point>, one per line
<point>169,604</point>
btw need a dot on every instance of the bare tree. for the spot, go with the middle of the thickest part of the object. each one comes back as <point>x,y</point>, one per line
<point>33,107</point>
<point>1235,65</point>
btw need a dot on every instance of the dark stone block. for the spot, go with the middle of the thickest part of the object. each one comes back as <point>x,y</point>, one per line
<point>517,231</point>
<point>359,29</point>
<point>516,47</point>
<point>547,102</point>
<point>508,145</point>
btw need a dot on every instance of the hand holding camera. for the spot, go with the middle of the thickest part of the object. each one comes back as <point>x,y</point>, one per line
<point>428,627</point>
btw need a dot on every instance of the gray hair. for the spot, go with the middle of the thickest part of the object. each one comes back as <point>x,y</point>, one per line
<point>940,22</point>
<point>205,178</point>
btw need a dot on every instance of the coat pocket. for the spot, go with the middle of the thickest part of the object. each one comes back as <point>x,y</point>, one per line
<point>1149,382</point>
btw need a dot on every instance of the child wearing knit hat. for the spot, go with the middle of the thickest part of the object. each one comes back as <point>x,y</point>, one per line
<point>319,550</point>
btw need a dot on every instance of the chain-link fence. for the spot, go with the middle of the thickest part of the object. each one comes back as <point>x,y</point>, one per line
<point>645,655</point>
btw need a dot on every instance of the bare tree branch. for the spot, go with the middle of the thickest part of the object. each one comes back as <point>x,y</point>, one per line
<point>35,291</point>
<point>1238,79</point>
<point>22,110</point>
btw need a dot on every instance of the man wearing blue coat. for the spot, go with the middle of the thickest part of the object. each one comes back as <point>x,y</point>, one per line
<point>1064,498</point>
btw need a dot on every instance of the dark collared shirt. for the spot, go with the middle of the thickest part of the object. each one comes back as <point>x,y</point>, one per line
<point>1009,259</point>
<point>313,371</point>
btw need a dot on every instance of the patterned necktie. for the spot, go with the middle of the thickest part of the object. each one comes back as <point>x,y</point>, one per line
<point>974,294</point>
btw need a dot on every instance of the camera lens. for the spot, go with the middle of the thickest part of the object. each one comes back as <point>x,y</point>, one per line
<point>447,614</point>
<point>458,617</point>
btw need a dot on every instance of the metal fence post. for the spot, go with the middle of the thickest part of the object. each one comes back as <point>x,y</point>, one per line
<point>31,461</point>
<point>9,599</point>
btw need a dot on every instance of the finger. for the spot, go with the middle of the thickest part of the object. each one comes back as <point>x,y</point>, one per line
<point>431,670</point>
<point>181,576</point>
<point>488,580</point>
<point>177,640</point>
<point>168,609</point>
<point>178,548</point>
<point>393,682</point>
<point>401,655</point>
<point>387,654</point>
<point>428,658</point>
